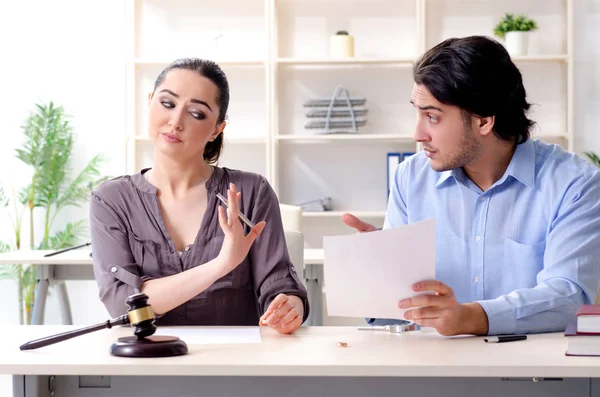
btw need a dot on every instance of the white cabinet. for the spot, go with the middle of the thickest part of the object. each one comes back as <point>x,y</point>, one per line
<point>276,55</point>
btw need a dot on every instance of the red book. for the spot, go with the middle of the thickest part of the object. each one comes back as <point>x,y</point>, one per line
<point>588,319</point>
<point>589,310</point>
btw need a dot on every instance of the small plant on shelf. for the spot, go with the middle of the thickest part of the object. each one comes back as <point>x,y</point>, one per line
<point>515,32</point>
<point>512,23</point>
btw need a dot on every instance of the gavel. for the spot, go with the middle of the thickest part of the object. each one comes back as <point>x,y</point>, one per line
<point>139,314</point>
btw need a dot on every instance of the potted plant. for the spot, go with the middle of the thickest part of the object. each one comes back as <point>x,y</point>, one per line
<point>515,32</point>
<point>47,150</point>
<point>341,45</point>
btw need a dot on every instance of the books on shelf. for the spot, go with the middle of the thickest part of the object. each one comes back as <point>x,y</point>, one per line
<point>393,159</point>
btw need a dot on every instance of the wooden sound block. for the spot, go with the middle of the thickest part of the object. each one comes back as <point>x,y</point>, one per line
<point>151,346</point>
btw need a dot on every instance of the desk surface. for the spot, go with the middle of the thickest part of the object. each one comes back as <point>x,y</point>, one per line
<point>311,351</point>
<point>24,257</point>
<point>82,257</point>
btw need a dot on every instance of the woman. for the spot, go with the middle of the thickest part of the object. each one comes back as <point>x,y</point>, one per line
<point>163,231</point>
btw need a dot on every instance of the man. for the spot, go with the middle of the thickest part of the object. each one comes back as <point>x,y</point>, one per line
<point>517,220</point>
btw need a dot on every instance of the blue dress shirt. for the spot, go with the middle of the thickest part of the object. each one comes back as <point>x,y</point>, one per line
<point>527,249</point>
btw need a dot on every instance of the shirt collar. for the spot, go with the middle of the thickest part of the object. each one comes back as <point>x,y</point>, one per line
<point>139,180</point>
<point>521,167</point>
<point>444,176</point>
<point>522,164</point>
<point>457,173</point>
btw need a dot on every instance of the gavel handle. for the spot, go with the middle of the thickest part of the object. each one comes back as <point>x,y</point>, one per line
<point>49,340</point>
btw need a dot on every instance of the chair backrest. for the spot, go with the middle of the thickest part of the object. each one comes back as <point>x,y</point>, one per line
<point>295,245</point>
<point>291,216</point>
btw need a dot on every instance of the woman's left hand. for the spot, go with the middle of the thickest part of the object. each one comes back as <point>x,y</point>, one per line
<point>284,314</point>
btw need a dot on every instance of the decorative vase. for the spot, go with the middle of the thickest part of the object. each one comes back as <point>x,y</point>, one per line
<point>341,45</point>
<point>517,43</point>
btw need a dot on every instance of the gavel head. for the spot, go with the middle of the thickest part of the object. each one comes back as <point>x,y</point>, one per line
<point>141,315</point>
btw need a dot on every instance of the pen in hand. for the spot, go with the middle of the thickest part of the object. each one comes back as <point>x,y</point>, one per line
<point>504,338</point>
<point>241,216</point>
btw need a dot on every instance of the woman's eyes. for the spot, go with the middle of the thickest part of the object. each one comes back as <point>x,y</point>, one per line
<point>194,114</point>
<point>198,115</point>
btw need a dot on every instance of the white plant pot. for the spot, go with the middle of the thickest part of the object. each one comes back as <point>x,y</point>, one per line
<point>517,43</point>
<point>341,46</point>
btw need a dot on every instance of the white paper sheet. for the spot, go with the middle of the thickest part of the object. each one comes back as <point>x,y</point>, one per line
<point>213,335</point>
<point>367,274</point>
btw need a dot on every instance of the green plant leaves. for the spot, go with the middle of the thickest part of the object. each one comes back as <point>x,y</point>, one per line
<point>593,158</point>
<point>512,23</point>
<point>47,148</point>
<point>71,235</point>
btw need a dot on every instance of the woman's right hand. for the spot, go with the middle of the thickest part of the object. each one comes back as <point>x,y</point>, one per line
<point>236,244</point>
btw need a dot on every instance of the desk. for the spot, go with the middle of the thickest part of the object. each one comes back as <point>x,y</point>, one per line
<point>54,270</point>
<point>313,275</point>
<point>76,265</point>
<point>304,364</point>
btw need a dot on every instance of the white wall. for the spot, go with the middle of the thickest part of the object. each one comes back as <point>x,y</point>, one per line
<point>72,52</point>
<point>587,76</point>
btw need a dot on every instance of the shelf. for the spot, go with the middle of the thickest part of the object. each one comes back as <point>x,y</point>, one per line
<point>541,58</point>
<point>338,214</point>
<point>403,62</point>
<point>343,137</point>
<point>220,62</point>
<point>238,141</point>
<point>550,136</point>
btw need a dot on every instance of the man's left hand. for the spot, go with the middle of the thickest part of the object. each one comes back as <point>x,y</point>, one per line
<point>442,312</point>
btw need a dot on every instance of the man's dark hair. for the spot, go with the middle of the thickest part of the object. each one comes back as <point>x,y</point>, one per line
<point>476,74</point>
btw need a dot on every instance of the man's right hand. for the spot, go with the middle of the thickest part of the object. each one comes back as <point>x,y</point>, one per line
<point>357,224</point>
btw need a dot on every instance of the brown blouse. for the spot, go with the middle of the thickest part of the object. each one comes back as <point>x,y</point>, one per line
<point>130,244</point>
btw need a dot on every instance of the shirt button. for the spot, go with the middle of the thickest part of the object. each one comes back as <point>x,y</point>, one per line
<point>476,279</point>
<point>187,248</point>
<point>482,198</point>
<point>113,269</point>
<point>477,238</point>
<point>293,268</point>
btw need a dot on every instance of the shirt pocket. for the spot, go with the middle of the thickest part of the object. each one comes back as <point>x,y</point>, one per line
<point>523,262</point>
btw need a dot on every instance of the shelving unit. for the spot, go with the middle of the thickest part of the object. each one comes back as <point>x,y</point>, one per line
<point>275,53</point>
<point>407,62</point>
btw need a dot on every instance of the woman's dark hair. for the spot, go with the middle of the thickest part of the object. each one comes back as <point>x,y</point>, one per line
<point>476,74</point>
<point>214,73</point>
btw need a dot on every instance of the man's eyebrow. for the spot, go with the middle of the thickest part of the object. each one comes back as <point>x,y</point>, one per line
<point>429,107</point>
<point>191,100</point>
